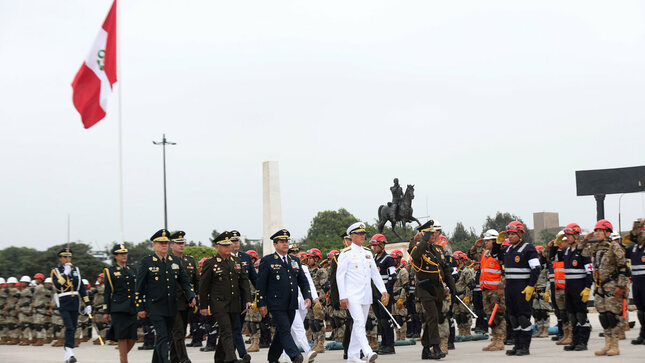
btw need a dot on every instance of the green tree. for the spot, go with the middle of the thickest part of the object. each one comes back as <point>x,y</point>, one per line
<point>500,221</point>
<point>199,252</point>
<point>545,237</point>
<point>214,234</point>
<point>326,229</point>
<point>462,239</point>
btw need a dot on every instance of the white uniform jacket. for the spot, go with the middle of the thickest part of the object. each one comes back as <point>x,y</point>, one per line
<point>356,268</point>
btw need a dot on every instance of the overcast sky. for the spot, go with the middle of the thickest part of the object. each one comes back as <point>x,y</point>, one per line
<point>484,106</point>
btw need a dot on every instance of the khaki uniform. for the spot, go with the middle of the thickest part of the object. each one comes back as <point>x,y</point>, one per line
<point>25,314</point>
<point>42,312</point>
<point>462,316</point>
<point>98,310</point>
<point>444,324</point>
<point>316,326</point>
<point>12,315</point>
<point>399,296</point>
<point>253,319</point>
<point>4,329</point>
<point>540,307</point>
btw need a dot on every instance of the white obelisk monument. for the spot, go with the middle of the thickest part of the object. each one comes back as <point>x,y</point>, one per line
<point>271,204</point>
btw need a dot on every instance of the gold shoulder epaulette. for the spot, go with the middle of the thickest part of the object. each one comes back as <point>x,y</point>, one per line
<point>346,249</point>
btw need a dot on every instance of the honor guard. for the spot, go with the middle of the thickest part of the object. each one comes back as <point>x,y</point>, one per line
<point>431,270</point>
<point>119,307</point>
<point>224,287</point>
<point>68,285</point>
<point>611,276</point>
<point>247,264</point>
<point>279,278</point>
<point>156,292</point>
<point>178,352</point>
<point>356,267</point>
<point>387,269</point>
<point>578,276</point>
<point>521,270</point>
<point>636,256</point>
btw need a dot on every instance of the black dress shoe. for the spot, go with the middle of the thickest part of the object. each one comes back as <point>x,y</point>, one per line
<point>297,359</point>
<point>146,347</point>
<point>522,351</point>
<point>639,340</point>
<point>195,343</point>
<point>389,349</point>
<point>208,348</point>
<point>570,347</point>
<point>451,346</point>
<point>580,347</point>
<point>511,351</point>
<point>246,358</point>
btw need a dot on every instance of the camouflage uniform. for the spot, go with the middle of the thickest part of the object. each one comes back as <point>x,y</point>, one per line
<point>12,315</point>
<point>253,319</point>
<point>540,307</point>
<point>610,272</point>
<point>464,290</point>
<point>4,330</point>
<point>25,314</point>
<point>98,309</point>
<point>371,328</point>
<point>42,313</point>
<point>444,323</point>
<point>317,318</point>
<point>58,328</point>
<point>399,310</point>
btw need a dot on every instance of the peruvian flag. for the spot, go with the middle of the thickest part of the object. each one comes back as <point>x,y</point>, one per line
<point>93,82</point>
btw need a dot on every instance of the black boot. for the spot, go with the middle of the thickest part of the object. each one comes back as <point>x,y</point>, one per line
<point>512,351</point>
<point>437,352</point>
<point>639,340</point>
<point>387,349</point>
<point>425,353</point>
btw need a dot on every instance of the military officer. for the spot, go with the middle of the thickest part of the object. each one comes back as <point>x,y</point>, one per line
<point>178,352</point>
<point>67,282</point>
<point>224,285</point>
<point>387,269</point>
<point>431,270</point>
<point>356,267</point>
<point>611,274</point>
<point>119,302</point>
<point>521,269</point>
<point>279,277</point>
<point>156,292</point>
<point>247,265</point>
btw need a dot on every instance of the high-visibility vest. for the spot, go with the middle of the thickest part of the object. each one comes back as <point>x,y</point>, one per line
<point>558,275</point>
<point>491,272</point>
<point>442,243</point>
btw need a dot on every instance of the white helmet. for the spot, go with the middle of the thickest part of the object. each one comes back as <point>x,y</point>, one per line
<point>48,280</point>
<point>2,281</point>
<point>25,279</point>
<point>436,225</point>
<point>614,236</point>
<point>491,234</point>
<point>85,282</point>
<point>12,280</point>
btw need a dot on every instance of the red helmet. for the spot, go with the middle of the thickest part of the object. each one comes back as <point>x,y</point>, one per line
<point>396,254</point>
<point>572,228</point>
<point>515,226</point>
<point>506,243</point>
<point>314,252</point>
<point>604,224</point>
<point>377,239</point>
<point>102,275</point>
<point>404,262</point>
<point>332,253</point>
<point>303,255</point>
<point>252,253</point>
<point>39,276</point>
<point>539,248</point>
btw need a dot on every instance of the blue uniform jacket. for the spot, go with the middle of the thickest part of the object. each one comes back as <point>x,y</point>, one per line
<point>68,288</point>
<point>521,263</point>
<point>247,264</point>
<point>636,255</point>
<point>277,284</point>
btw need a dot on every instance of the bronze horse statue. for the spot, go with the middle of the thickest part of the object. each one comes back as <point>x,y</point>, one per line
<point>388,213</point>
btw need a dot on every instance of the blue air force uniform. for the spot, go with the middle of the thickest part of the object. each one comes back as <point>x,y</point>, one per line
<point>521,269</point>
<point>156,293</point>
<point>69,290</point>
<point>277,285</point>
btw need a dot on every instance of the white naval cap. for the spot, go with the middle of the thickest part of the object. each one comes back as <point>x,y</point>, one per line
<point>357,227</point>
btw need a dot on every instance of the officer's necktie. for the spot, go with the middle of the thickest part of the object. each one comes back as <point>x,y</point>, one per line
<point>285,261</point>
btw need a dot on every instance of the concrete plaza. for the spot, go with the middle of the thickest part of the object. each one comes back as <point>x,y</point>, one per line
<point>542,350</point>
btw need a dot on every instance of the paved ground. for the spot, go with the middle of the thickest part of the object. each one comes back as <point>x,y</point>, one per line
<point>541,350</point>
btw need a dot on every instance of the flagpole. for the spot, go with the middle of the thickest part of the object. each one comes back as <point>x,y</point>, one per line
<point>120,79</point>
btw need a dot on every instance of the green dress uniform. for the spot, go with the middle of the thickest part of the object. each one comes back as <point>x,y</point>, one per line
<point>432,270</point>
<point>156,294</point>
<point>222,283</point>
<point>119,299</point>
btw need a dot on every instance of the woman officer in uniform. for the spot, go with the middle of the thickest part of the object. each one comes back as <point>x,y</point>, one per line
<point>120,303</point>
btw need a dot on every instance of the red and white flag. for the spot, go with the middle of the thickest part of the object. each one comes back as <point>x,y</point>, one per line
<point>93,82</point>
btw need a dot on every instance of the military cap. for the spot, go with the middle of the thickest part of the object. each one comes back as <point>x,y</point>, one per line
<point>282,234</point>
<point>358,227</point>
<point>427,226</point>
<point>119,248</point>
<point>160,236</point>
<point>235,235</point>
<point>293,248</point>
<point>178,236</point>
<point>224,239</point>
<point>65,252</point>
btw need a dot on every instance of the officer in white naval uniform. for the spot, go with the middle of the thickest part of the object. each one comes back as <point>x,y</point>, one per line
<point>356,267</point>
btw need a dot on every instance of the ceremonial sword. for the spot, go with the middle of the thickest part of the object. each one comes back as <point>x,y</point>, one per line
<point>466,306</point>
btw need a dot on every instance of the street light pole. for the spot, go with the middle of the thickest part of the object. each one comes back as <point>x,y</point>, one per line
<point>163,143</point>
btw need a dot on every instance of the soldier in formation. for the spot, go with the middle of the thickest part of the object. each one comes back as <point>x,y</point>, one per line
<point>399,294</point>
<point>464,286</point>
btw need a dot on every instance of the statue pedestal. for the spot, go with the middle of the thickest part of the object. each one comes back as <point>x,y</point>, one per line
<point>402,246</point>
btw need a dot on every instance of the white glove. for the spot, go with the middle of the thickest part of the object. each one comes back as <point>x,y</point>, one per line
<point>68,270</point>
<point>88,310</point>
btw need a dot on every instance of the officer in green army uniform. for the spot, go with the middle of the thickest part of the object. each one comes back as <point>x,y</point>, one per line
<point>222,283</point>
<point>178,352</point>
<point>119,302</point>
<point>432,270</point>
<point>156,292</point>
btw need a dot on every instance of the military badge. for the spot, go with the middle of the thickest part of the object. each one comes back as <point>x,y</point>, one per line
<point>517,259</point>
<point>277,277</point>
<point>643,259</point>
<point>575,263</point>
<point>294,265</point>
<point>175,266</point>
<point>218,259</point>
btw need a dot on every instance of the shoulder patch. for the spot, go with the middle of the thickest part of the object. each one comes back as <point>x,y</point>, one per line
<point>169,258</point>
<point>154,258</point>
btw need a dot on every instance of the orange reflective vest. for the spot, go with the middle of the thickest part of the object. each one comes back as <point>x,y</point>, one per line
<point>491,272</point>
<point>558,274</point>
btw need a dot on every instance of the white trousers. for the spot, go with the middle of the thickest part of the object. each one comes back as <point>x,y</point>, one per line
<point>358,340</point>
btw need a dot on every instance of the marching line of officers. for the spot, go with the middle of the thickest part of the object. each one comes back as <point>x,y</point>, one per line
<point>289,298</point>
